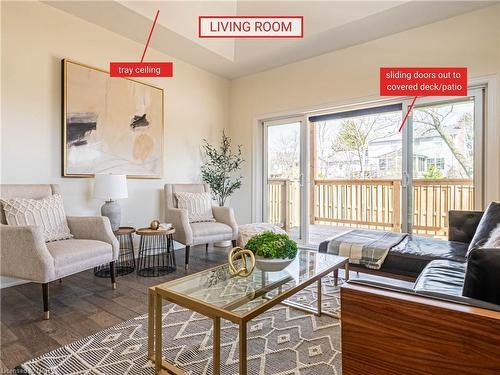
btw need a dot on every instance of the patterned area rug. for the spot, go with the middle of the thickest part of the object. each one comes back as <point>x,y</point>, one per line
<point>282,341</point>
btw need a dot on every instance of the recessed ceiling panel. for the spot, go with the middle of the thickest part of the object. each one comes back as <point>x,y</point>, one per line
<point>328,26</point>
<point>182,18</point>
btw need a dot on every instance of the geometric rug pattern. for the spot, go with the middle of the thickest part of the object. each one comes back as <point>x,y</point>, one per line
<point>281,341</point>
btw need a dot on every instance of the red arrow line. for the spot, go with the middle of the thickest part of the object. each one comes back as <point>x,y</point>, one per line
<point>150,33</point>
<point>408,113</point>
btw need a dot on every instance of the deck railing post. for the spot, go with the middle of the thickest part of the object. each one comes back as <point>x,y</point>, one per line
<point>396,206</point>
<point>286,204</point>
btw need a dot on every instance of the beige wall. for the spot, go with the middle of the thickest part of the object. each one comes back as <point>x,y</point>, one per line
<point>35,37</point>
<point>471,40</point>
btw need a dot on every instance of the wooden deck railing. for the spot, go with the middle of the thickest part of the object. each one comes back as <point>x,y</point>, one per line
<point>371,203</point>
<point>359,203</point>
<point>432,199</point>
<point>284,203</point>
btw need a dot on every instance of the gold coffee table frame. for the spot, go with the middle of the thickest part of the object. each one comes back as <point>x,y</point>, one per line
<point>161,292</point>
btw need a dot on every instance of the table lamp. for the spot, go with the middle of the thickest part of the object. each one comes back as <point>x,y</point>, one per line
<point>111,187</point>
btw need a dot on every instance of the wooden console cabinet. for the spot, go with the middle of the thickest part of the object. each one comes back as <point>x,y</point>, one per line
<point>390,333</point>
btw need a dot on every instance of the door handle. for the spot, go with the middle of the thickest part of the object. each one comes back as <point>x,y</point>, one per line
<point>405,180</point>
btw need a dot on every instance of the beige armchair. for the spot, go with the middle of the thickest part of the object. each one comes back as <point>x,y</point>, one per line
<point>26,255</point>
<point>190,234</point>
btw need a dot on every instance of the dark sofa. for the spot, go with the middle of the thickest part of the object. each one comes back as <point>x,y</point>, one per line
<point>445,323</point>
<point>408,259</point>
<point>458,269</point>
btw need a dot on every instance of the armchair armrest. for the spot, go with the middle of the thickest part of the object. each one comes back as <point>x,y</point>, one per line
<point>180,220</point>
<point>482,277</point>
<point>94,228</point>
<point>225,215</point>
<point>24,254</point>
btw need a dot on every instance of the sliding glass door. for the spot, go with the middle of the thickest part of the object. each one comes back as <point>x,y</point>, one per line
<point>356,171</point>
<point>328,173</point>
<point>284,175</point>
<point>445,162</point>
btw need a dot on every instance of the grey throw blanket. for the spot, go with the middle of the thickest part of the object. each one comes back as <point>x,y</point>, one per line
<point>365,247</point>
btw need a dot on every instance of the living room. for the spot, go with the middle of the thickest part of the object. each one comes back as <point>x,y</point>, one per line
<point>264,200</point>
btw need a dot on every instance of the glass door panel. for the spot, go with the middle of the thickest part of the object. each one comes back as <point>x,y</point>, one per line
<point>357,163</point>
<point>284,176</point>
<point>445,162</point>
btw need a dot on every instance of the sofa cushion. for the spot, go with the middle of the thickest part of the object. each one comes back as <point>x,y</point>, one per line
<point>489,221</point>
<point>410,257</point>
<point>462,225</point>
<point>494,238</point>
<point>441,277</point>
<point>198,205</point>
<point>482,278</point>
<point>209,229</point>
<point>71,256</point>
<point>47,213</point>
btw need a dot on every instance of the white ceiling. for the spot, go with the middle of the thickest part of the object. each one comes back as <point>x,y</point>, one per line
<point>328,26</point>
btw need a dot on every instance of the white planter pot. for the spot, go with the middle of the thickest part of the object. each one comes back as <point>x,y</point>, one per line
<point>271,264</point>
<point>222,244</point>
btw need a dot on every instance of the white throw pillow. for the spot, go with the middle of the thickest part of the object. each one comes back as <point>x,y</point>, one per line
<point>494,239</point>
<point>198,205</point>
<point>47,213</point>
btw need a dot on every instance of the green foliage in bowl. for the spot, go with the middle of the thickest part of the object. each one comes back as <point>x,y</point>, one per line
<point>272,245</point>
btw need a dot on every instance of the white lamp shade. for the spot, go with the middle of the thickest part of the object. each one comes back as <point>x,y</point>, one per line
<point>110,186</point>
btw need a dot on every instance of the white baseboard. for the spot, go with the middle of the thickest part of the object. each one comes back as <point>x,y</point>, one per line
<point>6,282</point>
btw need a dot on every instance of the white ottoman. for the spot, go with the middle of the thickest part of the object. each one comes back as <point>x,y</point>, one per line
<point>247,231</point>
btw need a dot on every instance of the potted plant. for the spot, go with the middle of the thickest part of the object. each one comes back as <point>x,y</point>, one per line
<point>221,171</point>
<point>273,251</point>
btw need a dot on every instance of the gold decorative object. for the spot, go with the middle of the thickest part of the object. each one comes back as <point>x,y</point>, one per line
<point>236,254</point>
<point>155,224</point>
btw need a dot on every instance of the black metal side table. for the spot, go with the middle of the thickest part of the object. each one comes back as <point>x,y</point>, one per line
<point>126,259</point>
<point>156,252</point>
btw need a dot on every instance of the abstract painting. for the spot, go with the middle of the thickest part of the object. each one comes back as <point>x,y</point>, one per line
<point>110,125</point>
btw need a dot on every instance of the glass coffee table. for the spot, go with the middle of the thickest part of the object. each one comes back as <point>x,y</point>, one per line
<point>216,294</point>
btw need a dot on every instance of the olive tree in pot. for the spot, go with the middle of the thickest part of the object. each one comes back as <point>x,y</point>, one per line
<point>221,171</point>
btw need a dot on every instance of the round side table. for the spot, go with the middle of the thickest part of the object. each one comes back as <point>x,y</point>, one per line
<point>156,252</point>
<point>126,259</point>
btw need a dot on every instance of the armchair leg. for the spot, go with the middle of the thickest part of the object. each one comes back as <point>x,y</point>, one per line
<point>187,256</point>
<point>45,294</point>
<point>112,270</point>
<point>234,243</point>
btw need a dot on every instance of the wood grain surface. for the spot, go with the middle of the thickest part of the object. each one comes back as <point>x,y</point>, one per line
<point>390,333</point>
<point>154,232</point>
<point>81,305</point>
<point>124,230</point>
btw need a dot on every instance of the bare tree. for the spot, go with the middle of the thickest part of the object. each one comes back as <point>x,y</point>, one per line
<point>356,134</point>
<point>323,146</point>
<point>285,154</point>
<point>436,120</point>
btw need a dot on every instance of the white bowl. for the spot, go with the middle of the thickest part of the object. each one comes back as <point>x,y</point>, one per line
<point>271,264</point>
